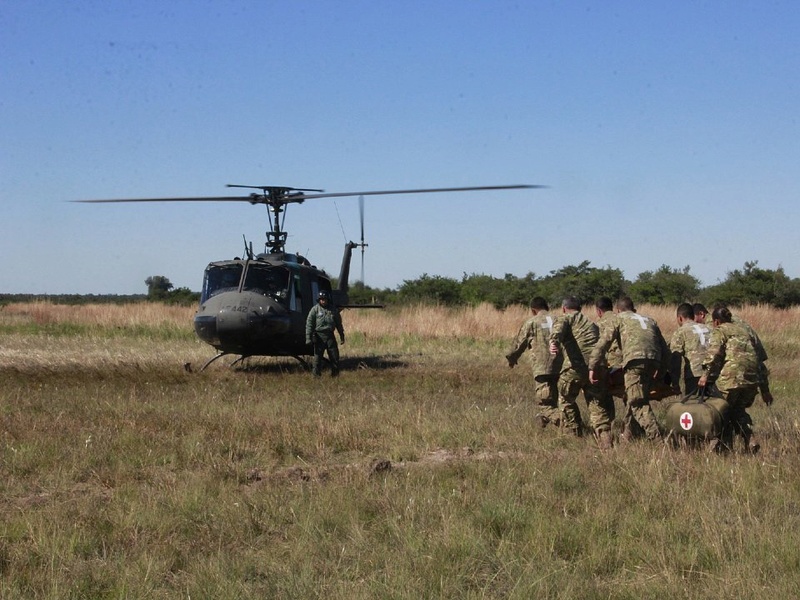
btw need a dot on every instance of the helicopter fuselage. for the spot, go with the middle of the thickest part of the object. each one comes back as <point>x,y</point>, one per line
<point>258,306</point>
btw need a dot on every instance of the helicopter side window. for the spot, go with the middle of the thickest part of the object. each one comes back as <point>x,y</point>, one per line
<point>220,279</point>
<point>269,281</point>
<point>295,294</point>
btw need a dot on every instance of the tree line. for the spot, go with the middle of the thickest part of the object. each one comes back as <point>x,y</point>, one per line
<point>666,285</point>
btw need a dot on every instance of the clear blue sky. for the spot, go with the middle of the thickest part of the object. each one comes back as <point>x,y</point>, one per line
<point>667,133</point>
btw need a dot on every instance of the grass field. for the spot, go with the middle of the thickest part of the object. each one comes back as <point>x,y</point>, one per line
<point>416,474</point>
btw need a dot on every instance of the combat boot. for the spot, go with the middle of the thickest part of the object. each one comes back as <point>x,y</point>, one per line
<point>541,420</point>
<point>751,445</point>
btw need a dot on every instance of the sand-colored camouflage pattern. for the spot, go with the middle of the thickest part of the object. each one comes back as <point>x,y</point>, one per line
<point>732,360</point>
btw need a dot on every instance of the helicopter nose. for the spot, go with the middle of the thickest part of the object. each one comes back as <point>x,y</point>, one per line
<point>231,321</point>
<point>205,326</point>
<point>225,327</point>
<point>241,322</point>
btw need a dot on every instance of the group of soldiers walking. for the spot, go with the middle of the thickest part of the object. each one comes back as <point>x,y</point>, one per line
<point>624,354</point>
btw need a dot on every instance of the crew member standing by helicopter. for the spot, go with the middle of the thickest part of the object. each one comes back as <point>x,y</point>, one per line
<point>322,320</point>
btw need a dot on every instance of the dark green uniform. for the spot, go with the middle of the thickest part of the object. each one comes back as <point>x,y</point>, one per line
<point>321,323</point>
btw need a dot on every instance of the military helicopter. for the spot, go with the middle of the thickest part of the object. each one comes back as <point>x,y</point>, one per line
<point>257,305</point>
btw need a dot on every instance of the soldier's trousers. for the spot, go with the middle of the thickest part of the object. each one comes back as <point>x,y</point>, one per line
<point>325,343</point>
<point>570,383</point>
<point>601,407</point>
<point>599,400</point>
<point>739,422</point>
<point>638,380</point>
<point>546,395</point>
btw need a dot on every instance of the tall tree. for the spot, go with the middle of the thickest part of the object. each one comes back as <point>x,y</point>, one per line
<point>664,286</point>
<point>158,287</point>
<point>436,289</point>
<point>584,282</point>
<point>754,285</point>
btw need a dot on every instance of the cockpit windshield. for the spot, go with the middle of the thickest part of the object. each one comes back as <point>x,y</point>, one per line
<point>221,278</point>
<point>267,280</point>
<point>263,279</point>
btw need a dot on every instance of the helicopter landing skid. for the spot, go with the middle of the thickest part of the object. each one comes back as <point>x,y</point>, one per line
<point>240,359</point>
<point>299,359</point>
<point>212,359</point>
<point>302,361</point>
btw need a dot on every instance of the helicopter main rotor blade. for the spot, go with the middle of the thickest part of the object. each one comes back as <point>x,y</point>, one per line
<point>421,191</point>
<point>210,199</point>
<point>290,195</point>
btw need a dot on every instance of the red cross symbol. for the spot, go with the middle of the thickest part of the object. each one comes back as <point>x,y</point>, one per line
<point>686,421</point>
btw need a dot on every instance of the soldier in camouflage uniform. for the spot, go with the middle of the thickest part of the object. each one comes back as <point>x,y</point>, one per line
<point>702,315</point>
<point>688,349</point>
<point>761,354</point>
<point>644,351</point>
<point>604,308</point>
<point>574,335</point>
<point>614,371</point>
<point>534,335</point>
<point>733,361</point>
<point>321,322</point>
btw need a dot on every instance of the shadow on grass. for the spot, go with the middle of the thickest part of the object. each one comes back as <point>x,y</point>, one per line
<point>256,364</point>
<point>79,372</point>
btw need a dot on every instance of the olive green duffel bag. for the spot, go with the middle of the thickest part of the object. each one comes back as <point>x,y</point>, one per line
<point>698,416</point>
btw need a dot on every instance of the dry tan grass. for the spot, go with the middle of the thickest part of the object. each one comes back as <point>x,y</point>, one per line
<point>779,329</point>
<point>485,322</point>
<point>47,353</point>
<point>103,339</point>
<point>481,322</point>
<point>102,315</point>
<point>419,475</point>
